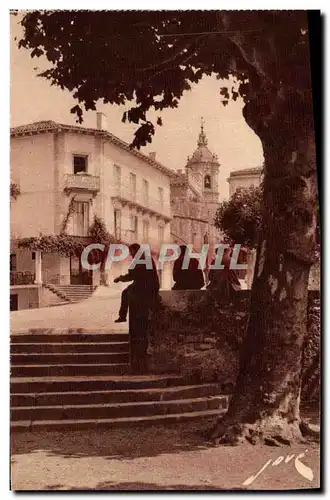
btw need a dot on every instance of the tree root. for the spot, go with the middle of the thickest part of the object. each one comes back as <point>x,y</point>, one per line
<point>272,431</point>
<point>308,432</point>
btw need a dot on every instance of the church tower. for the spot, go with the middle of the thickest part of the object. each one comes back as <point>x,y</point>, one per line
<point>202,170</point>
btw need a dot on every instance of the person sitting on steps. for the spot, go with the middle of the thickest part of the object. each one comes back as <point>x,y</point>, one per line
<point>145,282</point>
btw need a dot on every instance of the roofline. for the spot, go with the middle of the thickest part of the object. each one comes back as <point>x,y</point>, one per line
<point>61,127</point>
<point>246,172</point>
<point>184,182</point>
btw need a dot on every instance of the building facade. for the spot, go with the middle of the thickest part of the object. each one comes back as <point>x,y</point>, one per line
<point>195,198</point>
<point>244,179</point>
<point>58,166</point>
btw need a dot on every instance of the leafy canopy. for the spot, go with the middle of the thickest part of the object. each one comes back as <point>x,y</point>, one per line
<point>240,217</point>
<point>146,60</point>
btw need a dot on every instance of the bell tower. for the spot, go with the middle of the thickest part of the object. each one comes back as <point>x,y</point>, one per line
<point>203,169</point>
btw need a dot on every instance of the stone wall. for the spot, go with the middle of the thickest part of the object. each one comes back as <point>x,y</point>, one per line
<point>28,296</point>
<point>199,337</point>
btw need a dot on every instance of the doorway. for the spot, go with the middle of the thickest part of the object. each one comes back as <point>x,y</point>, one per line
<point>79,275</point>
<point>14,302</point>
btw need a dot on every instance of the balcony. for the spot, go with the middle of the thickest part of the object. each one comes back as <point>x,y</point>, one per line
<point>152,206</point>
<point>22,278</point>
<point>82,182</point>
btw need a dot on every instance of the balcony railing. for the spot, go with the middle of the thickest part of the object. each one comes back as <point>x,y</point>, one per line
<point>22,278</point>
<point>152,205</point>
<point>82,182</point>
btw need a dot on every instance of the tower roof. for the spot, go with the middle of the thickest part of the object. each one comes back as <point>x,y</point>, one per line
<point>202,154</point>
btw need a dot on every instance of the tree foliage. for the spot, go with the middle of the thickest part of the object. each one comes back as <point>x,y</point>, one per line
<point>240,217</point>
<point>99,233</point>
<point>146,60</point>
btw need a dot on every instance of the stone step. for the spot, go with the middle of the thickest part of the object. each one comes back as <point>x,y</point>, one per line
<point>114,396</point>
<point>75,425</point>
<point>117,410</point>
<point>71,288</point>
<point>73,347</point>
<point>76,299</point>
<point>68,358</point>
<point>68,369</point>
<point>75,287</point>
<point>75,337</point>
<point>86,383</point>
<point>78,295</point>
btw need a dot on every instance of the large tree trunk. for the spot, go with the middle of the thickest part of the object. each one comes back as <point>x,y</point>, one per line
<point>265,404</point>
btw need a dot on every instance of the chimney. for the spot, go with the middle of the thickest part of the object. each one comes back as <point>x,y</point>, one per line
<point>101,121</point>
<point>153,155</point>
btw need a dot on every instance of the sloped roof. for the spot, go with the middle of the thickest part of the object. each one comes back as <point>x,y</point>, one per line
<point>246,172</point>
<point>202,155</point>
<point>52,126</point>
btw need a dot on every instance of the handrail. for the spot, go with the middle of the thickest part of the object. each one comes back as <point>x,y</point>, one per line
<point>22,278</point>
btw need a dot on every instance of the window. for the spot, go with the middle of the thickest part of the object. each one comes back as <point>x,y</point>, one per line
<point>145,192</point>
<point>207,182</point>
<point>145,231</point>
<point>134,225</point>
<point>160,234</point>
<point>33,256</point>
<point>79,164</point>
<point>12,262</point>
<point>117,176</point>
<point>133,186</point>
<point>80,218</point>
<point>161,196</point>
<point>117,224</point>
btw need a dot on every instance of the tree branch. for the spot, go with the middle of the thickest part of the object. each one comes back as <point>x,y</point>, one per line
<point>247,50</point>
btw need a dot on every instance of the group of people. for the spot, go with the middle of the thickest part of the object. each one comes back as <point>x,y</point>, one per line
<point>145,282</point>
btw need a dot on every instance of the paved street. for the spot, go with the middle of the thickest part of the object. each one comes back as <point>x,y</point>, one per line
<point>97,313</point>
<point>153,458</point>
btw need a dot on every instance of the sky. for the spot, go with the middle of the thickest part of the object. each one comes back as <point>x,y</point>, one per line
<point>33,99</point>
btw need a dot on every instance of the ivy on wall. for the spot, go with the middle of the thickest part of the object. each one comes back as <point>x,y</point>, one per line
<point>14,190</point>
<point>68,245</point>
<point>66,219</point>
<point>62,244</point>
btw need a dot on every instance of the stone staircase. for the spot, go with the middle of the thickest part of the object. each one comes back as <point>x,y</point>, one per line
<point>71,293</point>
<point>81,380</point>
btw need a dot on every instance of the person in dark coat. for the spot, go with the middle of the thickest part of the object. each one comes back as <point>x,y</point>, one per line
<point>187,279</point>
<point>145,285</point>
<point>224,281</point>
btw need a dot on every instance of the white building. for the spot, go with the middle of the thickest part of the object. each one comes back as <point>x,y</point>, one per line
<point>244,179</point>
<point>53,163</point>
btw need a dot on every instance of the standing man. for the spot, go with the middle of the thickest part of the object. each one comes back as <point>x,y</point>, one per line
<point>145,283</point>
<point>139,298</point>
